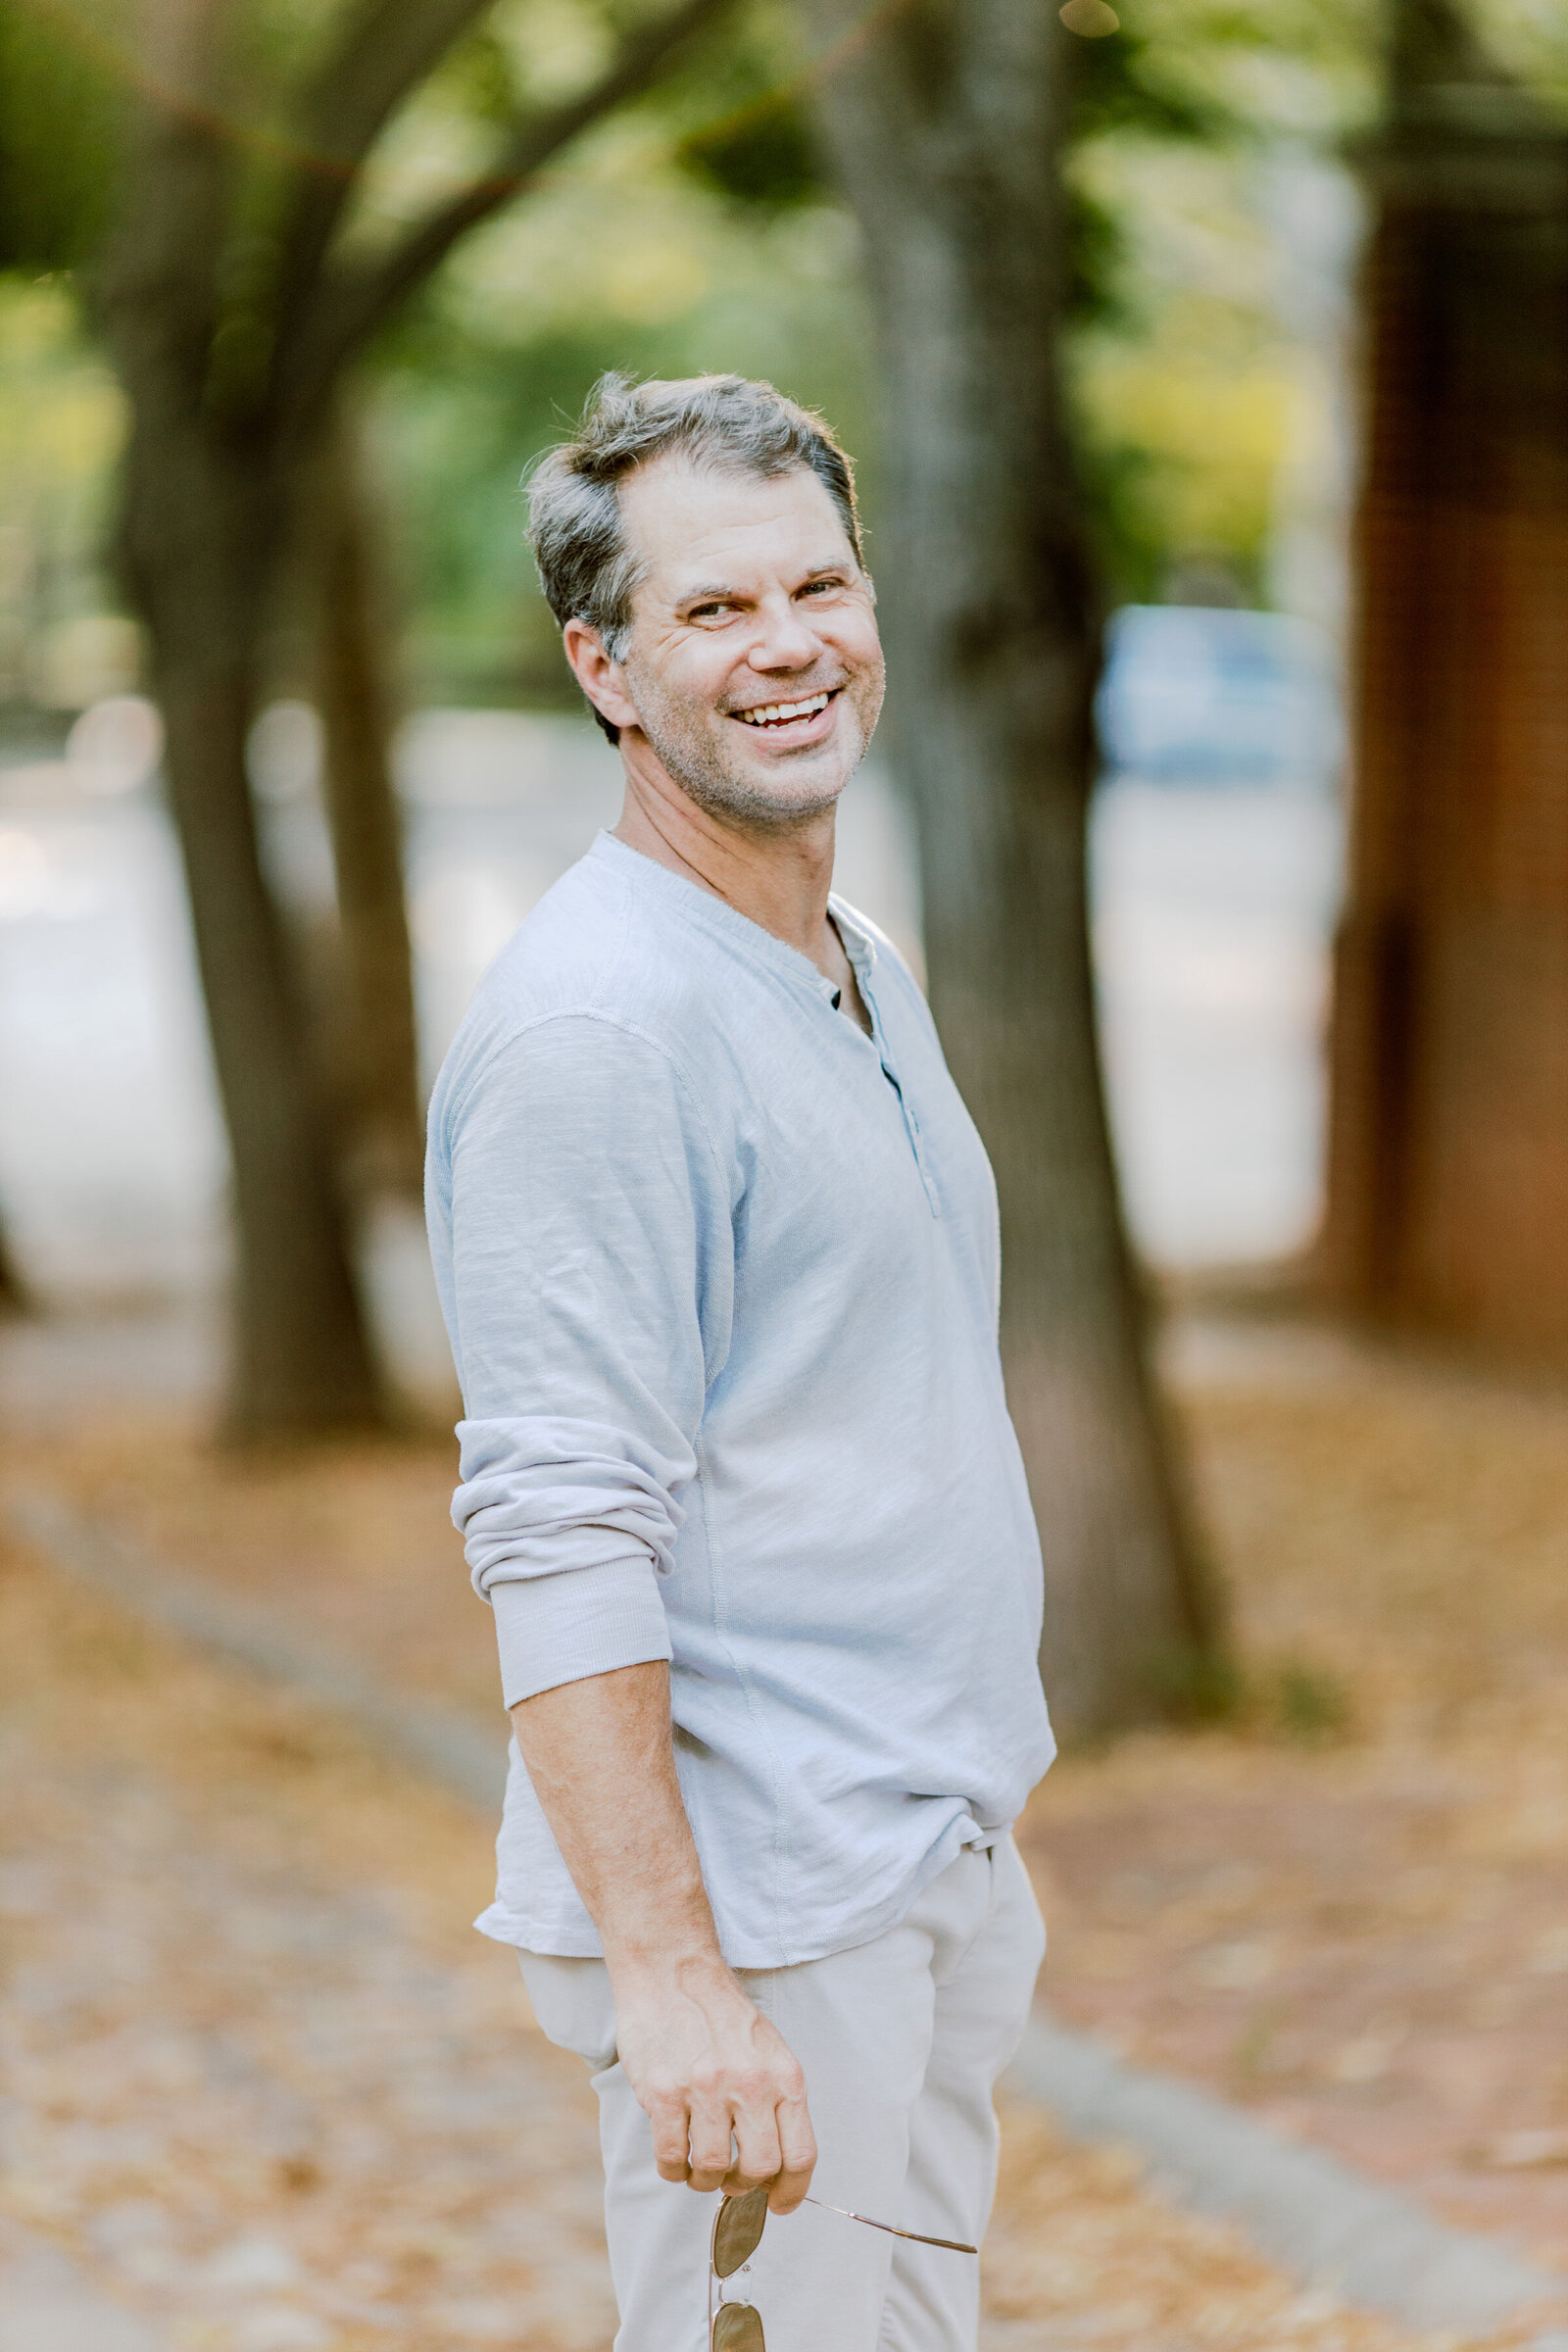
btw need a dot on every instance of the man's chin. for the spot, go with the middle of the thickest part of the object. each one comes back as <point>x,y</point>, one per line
<point>793,786</point>
<point>771,787</point>
<point>815,771</point>
<point>768,801</point>
<point>765,788</point>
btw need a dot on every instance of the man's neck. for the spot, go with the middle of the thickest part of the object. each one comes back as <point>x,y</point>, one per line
<point>778,876</point>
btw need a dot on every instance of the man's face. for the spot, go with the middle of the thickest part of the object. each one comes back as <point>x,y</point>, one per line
<point>755,670</point>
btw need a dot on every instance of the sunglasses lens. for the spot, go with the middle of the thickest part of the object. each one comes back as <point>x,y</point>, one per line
<point>737,2233</point>
<point>738,2329</point>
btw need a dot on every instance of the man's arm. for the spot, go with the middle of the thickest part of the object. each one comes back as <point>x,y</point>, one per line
<point>704,2061</point>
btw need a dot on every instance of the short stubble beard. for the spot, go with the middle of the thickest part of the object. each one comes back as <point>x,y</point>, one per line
<point>694,759</point>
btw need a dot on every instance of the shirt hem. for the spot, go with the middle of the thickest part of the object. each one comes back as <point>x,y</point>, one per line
<point>572,1940</point>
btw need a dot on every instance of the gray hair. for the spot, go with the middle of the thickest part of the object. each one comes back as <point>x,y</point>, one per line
<point>586,569</point>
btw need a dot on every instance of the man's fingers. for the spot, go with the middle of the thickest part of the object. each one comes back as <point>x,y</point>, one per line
<point>672,2129</point>
<point>758,2155</point>
<point>731,2119</point>
<point>711,2146</point>
<point>789,2191</point>
<point>797,2155</point>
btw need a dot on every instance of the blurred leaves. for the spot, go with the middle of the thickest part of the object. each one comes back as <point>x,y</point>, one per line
<point>1291,1697</point>
<point>698,232</point>
<point>1123,87</point>
<point>1306,1702</point>
<point>59,121</point>
<point>1184,366</point>
<point>761,154</point>
<point>1132,82</point>
<point>1198,1686</point>
<point>694,229</point>
<point>61,425</point>
<point>743,130</point>
<point>479,78</point>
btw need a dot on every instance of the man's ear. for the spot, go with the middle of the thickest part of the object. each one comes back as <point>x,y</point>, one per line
<point>597,674</point>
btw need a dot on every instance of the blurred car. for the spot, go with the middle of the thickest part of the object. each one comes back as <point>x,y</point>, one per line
<point>1201,695</point>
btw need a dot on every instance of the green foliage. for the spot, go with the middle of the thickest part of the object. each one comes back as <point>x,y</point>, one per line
<point>1307,1702</point>
<point>763,152</point>
<point>1130,84</point>
<point>691,234</point>
<point>1287,1697</point>
<point>1119,482</point>
<point>1124,89</point>
<point>456,418</point>
<point>746,130</point>
<point>1098,288</point>
<point>61,428</point>
<point>695,231</point>
<point>477,78</point>
<point>59,112</point>
<point>1196,1685</point>
<point>760,149</point>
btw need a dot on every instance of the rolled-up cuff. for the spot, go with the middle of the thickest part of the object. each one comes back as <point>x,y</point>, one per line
<point>559,1628</point>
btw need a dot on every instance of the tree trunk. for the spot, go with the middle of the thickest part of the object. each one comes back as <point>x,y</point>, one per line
<point>945,126</point>
<point>381,1139</point>
<point>1448,1193</point>
<point>201,533</point>
<point>204,516</point>
<point>232,309</point>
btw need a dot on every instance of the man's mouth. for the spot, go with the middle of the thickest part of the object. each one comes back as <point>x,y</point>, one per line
<point>784,715</point>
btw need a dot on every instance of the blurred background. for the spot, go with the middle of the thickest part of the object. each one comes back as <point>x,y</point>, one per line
<point>289,297</point>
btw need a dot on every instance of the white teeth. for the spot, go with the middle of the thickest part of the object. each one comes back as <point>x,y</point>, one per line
<point>780,713</point>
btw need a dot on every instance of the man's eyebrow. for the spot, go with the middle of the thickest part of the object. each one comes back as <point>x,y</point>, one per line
<point>720,592</point>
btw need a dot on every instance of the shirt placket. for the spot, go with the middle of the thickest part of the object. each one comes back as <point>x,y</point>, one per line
<point>863,961</point>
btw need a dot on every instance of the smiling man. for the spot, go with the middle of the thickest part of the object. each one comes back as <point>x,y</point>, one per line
<point>717,1248</point>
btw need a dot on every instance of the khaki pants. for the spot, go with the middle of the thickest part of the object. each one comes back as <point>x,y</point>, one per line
<point>902,2040</point>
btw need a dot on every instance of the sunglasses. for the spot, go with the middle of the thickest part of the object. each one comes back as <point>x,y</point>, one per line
<point>738,2227</point>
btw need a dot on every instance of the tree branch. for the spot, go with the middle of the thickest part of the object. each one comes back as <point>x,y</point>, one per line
<point>155,288</point>
<point>387,50</point>
<point>348,311</point>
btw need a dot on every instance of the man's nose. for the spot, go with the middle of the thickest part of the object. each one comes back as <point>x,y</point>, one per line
<point>784,639</point>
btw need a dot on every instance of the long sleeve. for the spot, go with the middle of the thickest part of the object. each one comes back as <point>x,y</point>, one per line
<point>589,1302</point>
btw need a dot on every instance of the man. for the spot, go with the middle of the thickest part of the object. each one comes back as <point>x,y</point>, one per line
<point>717,1249</point>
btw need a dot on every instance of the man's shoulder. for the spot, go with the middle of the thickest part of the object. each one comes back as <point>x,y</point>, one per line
<point>593,956</point>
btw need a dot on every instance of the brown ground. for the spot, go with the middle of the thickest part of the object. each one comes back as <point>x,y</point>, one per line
<point>1365,1936</point>
<point>261,2077</point>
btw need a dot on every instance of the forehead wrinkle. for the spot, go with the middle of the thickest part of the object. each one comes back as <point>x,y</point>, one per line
<point>658,517</point>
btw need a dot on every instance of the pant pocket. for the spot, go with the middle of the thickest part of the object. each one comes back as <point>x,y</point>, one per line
<point>1017,1891</point>
<point>573,2002</point>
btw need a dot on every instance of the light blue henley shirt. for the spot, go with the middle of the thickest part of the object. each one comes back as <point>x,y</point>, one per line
<point>720,1275</point>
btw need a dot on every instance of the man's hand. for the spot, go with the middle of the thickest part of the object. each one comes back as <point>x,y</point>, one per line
<point>721,2087</point>
<point>718,2083</point>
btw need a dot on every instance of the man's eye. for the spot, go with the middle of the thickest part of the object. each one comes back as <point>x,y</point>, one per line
<point>820,587</point>
<point>708,612</point>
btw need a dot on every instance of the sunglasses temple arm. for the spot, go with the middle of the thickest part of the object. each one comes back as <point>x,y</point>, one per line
<point>951,2244</point>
